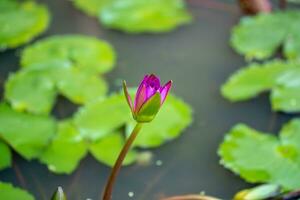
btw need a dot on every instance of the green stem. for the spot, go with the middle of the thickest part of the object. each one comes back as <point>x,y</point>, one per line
<point>113,175</point>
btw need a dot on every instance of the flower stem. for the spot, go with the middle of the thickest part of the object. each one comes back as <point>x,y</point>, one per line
<point>113,175</point>
<point>282,4</point>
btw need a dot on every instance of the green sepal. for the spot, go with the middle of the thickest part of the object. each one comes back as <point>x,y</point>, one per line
<point>59,194</point>
<point>149,110</point>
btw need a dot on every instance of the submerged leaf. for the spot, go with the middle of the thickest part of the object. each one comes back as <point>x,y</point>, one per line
<point>260,36</point>
<point>8,192</point>
<point>27,134</point>
<point>20,22</point>
<point>136,16</point>
<point>107,149</point>
<point>169,123</point>
<point>87,53</point>
<point>275,160</point>
<point>66,149</point>
<point>5,158</point>
<point>282,78</point>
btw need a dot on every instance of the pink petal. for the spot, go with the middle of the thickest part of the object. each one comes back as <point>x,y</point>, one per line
<point>165,90</point>
<point>140,97</point>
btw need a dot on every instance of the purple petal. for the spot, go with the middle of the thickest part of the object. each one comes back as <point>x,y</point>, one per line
<point>128,98</point>
<point>165,90</point>
<point>140,97</point>
<point>153,81</point>
<point>141,84</point>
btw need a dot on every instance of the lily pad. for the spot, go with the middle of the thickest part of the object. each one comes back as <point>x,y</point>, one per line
<point>27,134</point>
<point>81,87</point>
<point>259,37</point>
<point>30,90</point>
<point>107,149</point>
<point>275,160</point>
<point>5,159</point>
<point>66,149</point>
<point>102,116</point>
<point>8,192</point>
<point>169,123</point>
<point>87,53</point>
<point>136,16</point>
<point>282,78</point>
<point>20,22</point>
<point>35,88</point>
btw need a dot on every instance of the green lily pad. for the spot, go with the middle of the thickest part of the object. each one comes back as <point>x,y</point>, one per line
<point>20,22</point>
<point>30,90</point>
<point>90,7</point>
<point>8,192</point>
<point>107,149</point>
<point>282,78</point>
<point>87,53</point>
<point>34,89</point>
<point>136,16</point>
<point>66,149</point>
<point>102,116</point>
<point>275,160</point>
<point>169,123</point>
<point>259,37</point>
<point>27,134</point>
<point>81,87</point>
<point>5,159</point>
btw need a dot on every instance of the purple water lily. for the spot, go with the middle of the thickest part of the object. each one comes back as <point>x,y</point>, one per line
<point>149,98</point>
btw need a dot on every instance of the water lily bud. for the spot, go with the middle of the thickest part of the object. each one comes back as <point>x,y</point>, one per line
<point>149,98</point>
<point>259,193</point>
<point>59,194</point>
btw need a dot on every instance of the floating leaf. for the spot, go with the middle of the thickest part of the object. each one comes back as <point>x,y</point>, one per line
<point>66,149</point>
<point>171,120</point>
<point>30,90</point>
<point>260,36</point>
<point>34,89</point>
<point>87,53</point>
<point>20,22</point>
<point>282,78</point>
<point>274,160</point>
<point>8,192</point>
<point>102,116</point>
<point>27,134</point>
<point>90,7</point>
<point>107,149</point>
<point>81,87</point>
<point>5,158</point>
<point>136,16</point>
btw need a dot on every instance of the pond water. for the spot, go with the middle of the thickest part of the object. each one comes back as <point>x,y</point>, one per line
<point>198,58</point>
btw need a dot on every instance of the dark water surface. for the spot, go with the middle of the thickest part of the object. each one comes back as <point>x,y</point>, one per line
<point>198,59</point>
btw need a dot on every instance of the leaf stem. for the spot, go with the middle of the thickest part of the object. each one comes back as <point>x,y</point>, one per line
<point>113,175</point>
